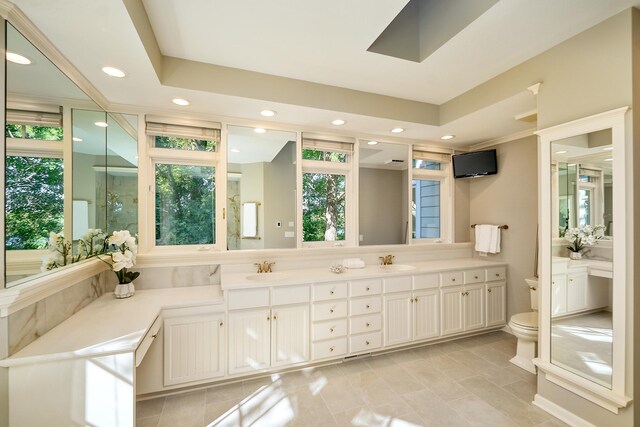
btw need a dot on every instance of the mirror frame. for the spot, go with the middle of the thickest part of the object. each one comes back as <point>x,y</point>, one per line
<point>617,397</point>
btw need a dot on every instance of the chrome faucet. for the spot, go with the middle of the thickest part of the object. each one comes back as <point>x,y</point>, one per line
<point>386,260</point>
<point>264,267</point>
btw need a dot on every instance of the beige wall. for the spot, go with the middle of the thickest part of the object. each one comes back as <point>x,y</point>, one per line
<point>380,202</point>
<point>280,198</point>
<point>252,190</point>
<point>462,221</point>
<point>511,197</point>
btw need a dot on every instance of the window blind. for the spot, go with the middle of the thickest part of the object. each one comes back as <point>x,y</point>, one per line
<point>431,156</point>
<point>34,118</point>
<point>183,131</point>
<point>327,143</point>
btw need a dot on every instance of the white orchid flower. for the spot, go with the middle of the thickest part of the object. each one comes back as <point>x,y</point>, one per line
<point>119,237</point>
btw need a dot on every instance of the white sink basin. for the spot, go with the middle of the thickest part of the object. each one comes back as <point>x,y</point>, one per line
<point>397,267</point>
<point>267,277</point>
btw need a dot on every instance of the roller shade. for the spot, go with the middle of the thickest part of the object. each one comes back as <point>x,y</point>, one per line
<point>327,143</point>
<point>590,172</point>
<point>34,118</point>
<point>182,131</point>
<point>431,156</point>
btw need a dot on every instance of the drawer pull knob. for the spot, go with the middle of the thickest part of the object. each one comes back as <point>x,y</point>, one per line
<point>330,329</point>
<point>268,317</point>
<point>368,306</point>
<point>368,289</point>
<point>453,279</point>
<point>331,348</point>
<point>415,299</point>
<point>411,300</point>
<point>497,274</point>
<point>489,290</point>
<point>366,342</point>
<point>274,317</point>
<point>331,292</point>
<point>221,324</point>
<point>331,310</point>
<point>475,277</point>
<point>367,325</point>
<point>154,335</point>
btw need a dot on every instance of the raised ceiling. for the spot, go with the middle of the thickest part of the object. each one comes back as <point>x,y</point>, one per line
<point>320,42</point>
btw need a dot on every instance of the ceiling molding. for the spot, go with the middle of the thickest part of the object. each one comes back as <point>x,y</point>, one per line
<point>503,139</point>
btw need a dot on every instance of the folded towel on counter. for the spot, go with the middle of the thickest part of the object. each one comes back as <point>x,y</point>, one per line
<point>353,263</point>
<point>487,239</point>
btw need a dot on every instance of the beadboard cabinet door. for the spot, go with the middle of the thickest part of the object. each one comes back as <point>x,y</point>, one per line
<point>496,304</point>
<point>290,335</point>
<point>452,316</point>
<point>426,314</point>
<point>194,348</point>
<point>473,307</point>
<point>249,340</point>
<point>398,312</point>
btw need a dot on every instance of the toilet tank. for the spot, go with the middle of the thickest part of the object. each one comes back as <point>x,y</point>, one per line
<point>533,291</point>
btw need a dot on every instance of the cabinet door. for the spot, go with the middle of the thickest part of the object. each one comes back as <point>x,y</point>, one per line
<point>426,314</point>
<point>473,307</point>
<point>193,348</point>
<point>249,340</point>
<point>289,335</point>
<point>398,318</point>
<point>558,294</point>
<point>576,292</point>
<point>496,309</point>
<point>451,319</point>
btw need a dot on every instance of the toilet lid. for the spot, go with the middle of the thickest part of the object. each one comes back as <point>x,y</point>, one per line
<point>526,320</point>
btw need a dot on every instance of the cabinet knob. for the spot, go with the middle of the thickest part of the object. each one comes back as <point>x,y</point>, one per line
<point>497,274</point>
<point>411,300</point>
<point>331,310</point>
<point>331,348</point>
<point>489,290</point>
<point>368,289</point>
<point>415,299</point>
<point>268,317</point>
<point>274,317</point>
<point>331,292</point>
<point>154,335</point>
<point>368,306</point>
<point>475,277</point>
<point>453,279</point>
<point>571,280</point>
<point>553,283</point>
<point>366,342</point>
<point>221,324</point>
<point>330,329</point>
<point>367,325</point>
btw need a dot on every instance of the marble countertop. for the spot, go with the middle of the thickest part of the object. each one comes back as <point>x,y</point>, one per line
<point>599,264</point>
<point>238,280</point>
<point>111,326</point>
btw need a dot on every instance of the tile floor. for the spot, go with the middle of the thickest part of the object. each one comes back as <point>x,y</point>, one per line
<point>583,344</point>
<point>467,382</point>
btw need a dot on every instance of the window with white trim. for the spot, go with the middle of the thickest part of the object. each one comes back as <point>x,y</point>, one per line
<point>184,171</point>
<point>431,190</point>
<point>34,188</point>
<point>327,198</point>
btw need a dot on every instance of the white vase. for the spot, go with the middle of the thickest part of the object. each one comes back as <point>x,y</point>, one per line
<point>123,291</point>
<point>132,289</point>
<point>575,255</point>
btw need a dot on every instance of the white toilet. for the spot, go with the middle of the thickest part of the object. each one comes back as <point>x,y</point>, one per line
<point>525,327</point>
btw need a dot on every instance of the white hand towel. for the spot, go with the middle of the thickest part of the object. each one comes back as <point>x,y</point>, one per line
<point>487,239</point>
<point>495,240</point>
<point>353,263</point>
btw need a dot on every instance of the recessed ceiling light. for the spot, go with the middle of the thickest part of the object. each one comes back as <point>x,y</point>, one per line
<point>18,59</point>
<point>372,142</point>
<point>101,124</point>
<point>608,160</point>
<point>76,139</point>
<point>267,113</point>
<point>181,102</point>
<point>561,152</point>
<point>338,122</point>
<point>607,149</point>
<point>259,130</point>
<point>114,72</point>
<point>446,137</point>
<point>397,130</point>
<point>234,150</point>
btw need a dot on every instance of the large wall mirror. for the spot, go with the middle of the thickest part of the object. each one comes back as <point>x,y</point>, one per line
<point>261,188</point>
<point>53,127</point>
<point>583,205</point>
<point>382,196</point>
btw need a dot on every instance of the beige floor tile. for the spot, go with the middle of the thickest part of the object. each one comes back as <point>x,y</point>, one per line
<point>523,390</point>
<point>471,360</point>
<point>148,421</point>
<point>214,412</point>
<point>183,410</point>
<point>225,392</point>
<point>501,376</point>
<point>339,396</point>
<point>148,408</point>
<point>492,356</point>
<point>480,413</point>
<point>449,346</point>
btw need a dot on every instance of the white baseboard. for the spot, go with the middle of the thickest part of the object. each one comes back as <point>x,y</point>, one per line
<point>560,413</point>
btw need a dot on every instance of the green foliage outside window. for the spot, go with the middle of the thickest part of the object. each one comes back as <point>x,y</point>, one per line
<point>325,156</point>
<point>185,205</point>
<point>323,207</point>
<point>34,201</point>
<point>185,143</point>
<point>44,133</point>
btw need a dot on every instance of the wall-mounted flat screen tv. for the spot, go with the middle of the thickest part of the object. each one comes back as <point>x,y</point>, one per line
<point>475,164</point>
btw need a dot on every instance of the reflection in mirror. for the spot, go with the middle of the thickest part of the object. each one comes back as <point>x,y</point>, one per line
<point>38,97</point>
<point>261,169</point>
<point>383,193</point>
<point>582,266</point>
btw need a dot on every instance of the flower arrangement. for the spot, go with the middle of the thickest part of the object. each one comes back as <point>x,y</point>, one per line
<point>124,255</point>
<point>59,252</point>
<point>581,236</point>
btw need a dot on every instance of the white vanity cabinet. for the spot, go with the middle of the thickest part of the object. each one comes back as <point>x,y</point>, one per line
<point>365,315</point>
<point>462,307</point>
<point>194,348</point>
<point>273,334</point>
<point>411,314</point>
<point>574,291</point>
<point>577,291</point>
<point>330,323</point>
<point>558,294</point>
<point>496,303</point>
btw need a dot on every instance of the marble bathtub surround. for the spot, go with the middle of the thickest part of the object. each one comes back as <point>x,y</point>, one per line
<point>30,323</point>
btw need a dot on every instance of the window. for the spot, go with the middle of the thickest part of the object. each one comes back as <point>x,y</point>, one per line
<point>590,197</point>
<point>327,164</point>
<point>431,196</point>
<point>34,189</point>
<point>184,166</point>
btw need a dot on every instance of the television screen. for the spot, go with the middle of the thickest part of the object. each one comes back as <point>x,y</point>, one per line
<point>478,163</point>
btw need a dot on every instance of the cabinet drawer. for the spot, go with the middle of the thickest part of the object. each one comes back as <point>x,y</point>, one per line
<point>360,288</point>
<point>451,278</point>
<point>496,273</point>
<point>366,305</point>
<point>289,294</point>
<point>363,324</point>
<point>329,310</point>
<point>365,342</point>
<point>248,298</point>
<point>426,281</point>
<point>329,329</point>
<point>148,340</point>
<point>329,348</point>
<point>398,284</point>
<point>474,276</point>
<point>327,291</point>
